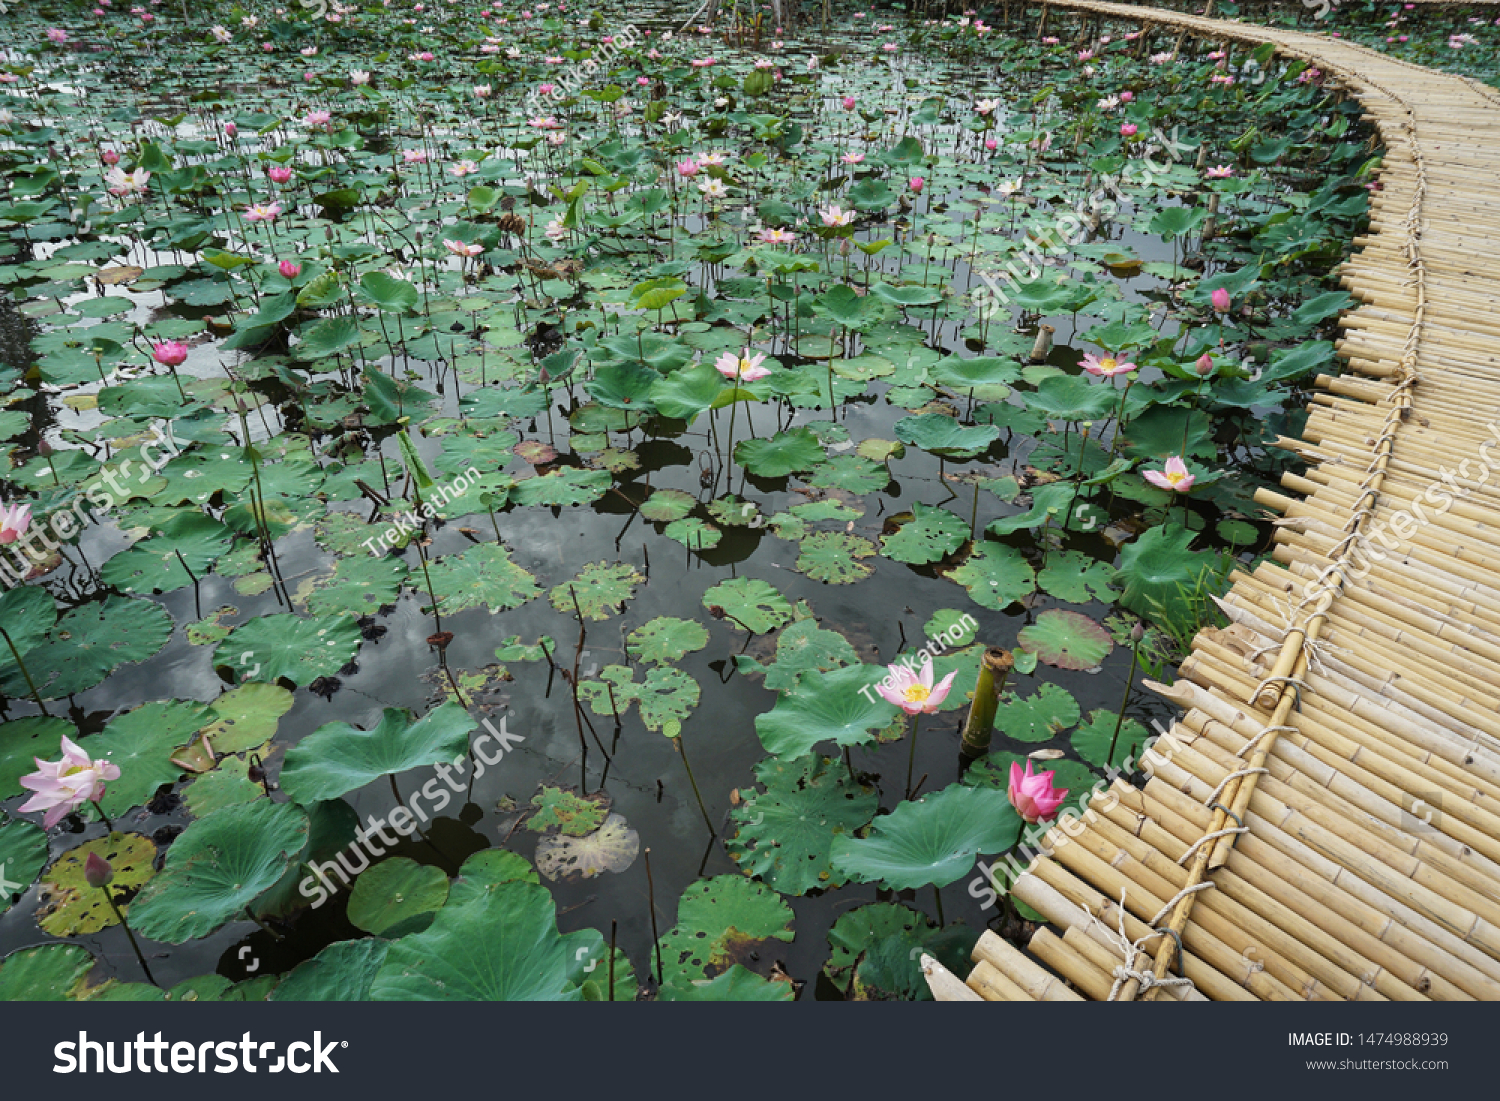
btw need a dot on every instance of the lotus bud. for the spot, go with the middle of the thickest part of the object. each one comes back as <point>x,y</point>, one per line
<point>97,871</point>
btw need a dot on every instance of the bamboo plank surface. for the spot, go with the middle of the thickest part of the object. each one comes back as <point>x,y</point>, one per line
<point>1323,821</point>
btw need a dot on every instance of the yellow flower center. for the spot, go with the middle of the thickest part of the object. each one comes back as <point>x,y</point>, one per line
<point>1107,364</point>
<point>1174,477</point>
<point>917,693</point>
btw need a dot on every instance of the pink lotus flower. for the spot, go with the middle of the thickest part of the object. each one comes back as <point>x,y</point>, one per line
<point>744,368</point>
<point>262,212</point>
<point>289,269</point>
<point>110,157</point>
<point>991,144</point>
<point>917,183</point>
<point>546,89</point>
<point>687,168</point>
<point>1221,299</point>
<point>58,35</point>
<point>460,248</point>
<point>1085,55</point>
<point>1173,476</point>
<point>231,131</point>
<point>1107,367</point>
<point>279,173</point>
<point>833,216</point>
<point>1126,97</point>
<point>1219,172</point>
<point>849,102</point>
<point>1128,129</point>
<point>316,119</point>
<point>776,237</point>
<point>63,786</point>
<point>1033,794</point>
<point>915,693</point>
<point>462,168</point>
<point>169,353</point>
<point>1205,365</point>
<point>14,521</point>
<point>414,156</point>
<point>853,158</point>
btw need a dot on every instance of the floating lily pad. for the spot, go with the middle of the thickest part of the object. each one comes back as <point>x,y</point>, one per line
<point>397,896</point>
<point>338,758</point>
<point>1038,717</point>
<point>782,454</point>
<point>610,848</point>
<point>246,717</point>
<point>840,707</point>
<point>218,866</point>
<point>933,840</point>
<point>931,534</point>
<point>665,505</point>
<point>566,811</point>
<point>69,907</point>
<point>995,575</point>
<point>666,640</point>
<point>750,604</point>
<point>600,590</point>
<point>271,647</point>
<point>23,851</point>
<point>784,834</point>
<point>1092,740</point>
<point>1067,640</point>
<point>482,576</point>
<point>835,558</point>
<point>720,922</point>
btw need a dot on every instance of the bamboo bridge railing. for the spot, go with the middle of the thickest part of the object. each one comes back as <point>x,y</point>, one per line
<point>1323,822</point>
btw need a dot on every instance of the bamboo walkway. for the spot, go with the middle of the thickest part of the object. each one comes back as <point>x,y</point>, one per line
<point>1324,820</point>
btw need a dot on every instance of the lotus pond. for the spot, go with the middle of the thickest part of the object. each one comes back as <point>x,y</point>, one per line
<point>470,472</point>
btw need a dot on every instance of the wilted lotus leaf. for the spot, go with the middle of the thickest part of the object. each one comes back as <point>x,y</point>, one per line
<point>720,922</point>
<point>70,907</point>
<point>566,811</point>
<point>1067,640</point>
<point>610,848</point>
<point>599,588</point>
<point>536,452</point>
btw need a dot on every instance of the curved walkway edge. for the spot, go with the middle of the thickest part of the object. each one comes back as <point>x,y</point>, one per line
<point>1323,821</point>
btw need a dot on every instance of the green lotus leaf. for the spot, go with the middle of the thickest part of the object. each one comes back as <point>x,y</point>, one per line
<point>932,534</point>
<point>932,841</point>
<point>995,575</point>
<point>749,604</point>
<point>1067,640</point>
<point>397,896</point>
<point>835,558</point>
<point>338,758</point>
<point>23,852</point>
<point>738,984</point>
<point>482,576</point>
<point>141,743</point>
<point>69,907</point>
<point>664,640</point>
<point>600,589</point>
<point>88,644</point>
<point>342,972</point>
<point>782,454</point>
<point>497,943</point>
<point>50,973</point>
<point>1039,717</point>
<point>840,707</point>
<point>942,435</point>
<point>301,650</point>
<point>217,867</point>
<point>721,922</point>
<point>784,834</point>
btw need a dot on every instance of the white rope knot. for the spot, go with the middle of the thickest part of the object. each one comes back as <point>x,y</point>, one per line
<point>1132,951</point>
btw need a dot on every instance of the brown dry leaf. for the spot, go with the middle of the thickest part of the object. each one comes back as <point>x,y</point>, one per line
<point>119,275</point>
